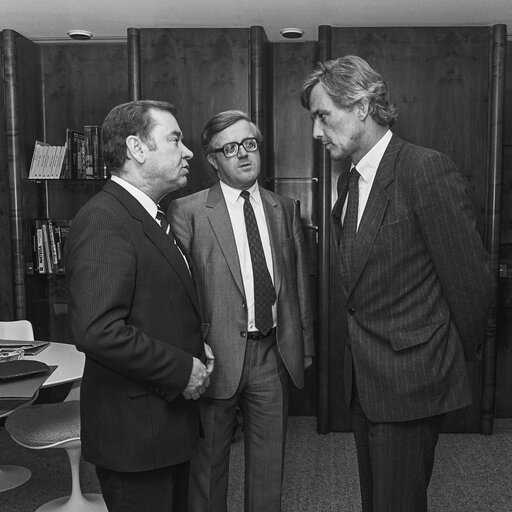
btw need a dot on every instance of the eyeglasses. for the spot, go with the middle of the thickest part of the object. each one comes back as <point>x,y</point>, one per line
<point>231,149</point>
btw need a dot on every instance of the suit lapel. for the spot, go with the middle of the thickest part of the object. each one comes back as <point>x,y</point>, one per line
<point>157,236</point>
<point>374,211</point>
<point>218,216</point>
<point>274,224</point>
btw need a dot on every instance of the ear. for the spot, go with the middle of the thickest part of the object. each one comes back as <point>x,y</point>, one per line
<point>363,108</point>
<point>212,160</point>
<point>135,149</point>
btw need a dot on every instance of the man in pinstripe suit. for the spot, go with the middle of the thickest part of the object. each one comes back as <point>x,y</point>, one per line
<point>136,316</point>
<point>415,277</point>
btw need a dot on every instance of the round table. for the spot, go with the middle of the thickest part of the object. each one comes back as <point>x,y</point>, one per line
<point>70,366</point>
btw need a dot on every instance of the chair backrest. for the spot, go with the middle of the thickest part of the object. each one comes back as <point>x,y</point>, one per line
<point>16,330</point>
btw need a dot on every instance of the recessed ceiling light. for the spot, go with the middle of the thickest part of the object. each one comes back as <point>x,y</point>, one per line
<point>292,33</point>
<point>80,35</point>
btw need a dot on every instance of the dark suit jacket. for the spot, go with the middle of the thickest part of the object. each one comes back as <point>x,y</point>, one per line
<point>135,314</point>
<point>201,221</point>
<point>420,289</point>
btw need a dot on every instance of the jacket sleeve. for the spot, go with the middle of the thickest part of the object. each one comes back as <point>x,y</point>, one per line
<point>102,272</point>
<point>303,283</point>
<point>447,220</point>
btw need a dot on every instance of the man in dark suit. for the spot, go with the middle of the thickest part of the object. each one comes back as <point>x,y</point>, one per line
<point>249,255</point>
<point>135,314</point>
<point>415,277</point>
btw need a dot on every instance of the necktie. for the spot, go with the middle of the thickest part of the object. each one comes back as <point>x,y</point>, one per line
<point>349,227</point>
<point>264,292</point>
<point>164,224</point>
<point>162,219</point>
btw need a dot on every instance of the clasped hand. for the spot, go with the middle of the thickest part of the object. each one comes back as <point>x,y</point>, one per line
<point>200,375</point>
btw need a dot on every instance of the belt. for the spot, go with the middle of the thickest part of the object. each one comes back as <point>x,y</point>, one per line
<point>257,335</point>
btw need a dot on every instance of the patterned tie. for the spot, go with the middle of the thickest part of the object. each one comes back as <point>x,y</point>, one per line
<point>162,219</point>
<point>349,228</point>
<point>164,224</point>
<point>264,292</point>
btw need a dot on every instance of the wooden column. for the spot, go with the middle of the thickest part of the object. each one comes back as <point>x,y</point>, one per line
<point>324,259</point>
<point>492,215</point>
<point>258,76</point>
<point>134,82</point>
<point>15,171</point>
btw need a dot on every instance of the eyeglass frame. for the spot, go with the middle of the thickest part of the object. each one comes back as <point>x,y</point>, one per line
<point>241,143</point>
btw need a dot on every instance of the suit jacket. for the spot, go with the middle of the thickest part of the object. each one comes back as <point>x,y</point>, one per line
<point>418,295</point>
<point>201,221</point>
<point>135,314</point>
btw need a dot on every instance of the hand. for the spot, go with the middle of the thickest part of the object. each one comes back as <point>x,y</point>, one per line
<point>210,358</point>
<point>198,381</point>
<point>308,361</point>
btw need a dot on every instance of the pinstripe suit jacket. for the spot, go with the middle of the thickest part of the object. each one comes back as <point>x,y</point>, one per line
<point>201,222</point>
<point>419,292</point>
<point>135,314</point>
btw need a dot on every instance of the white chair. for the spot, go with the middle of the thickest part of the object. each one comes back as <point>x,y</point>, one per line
<point>14,476</point>
<point>45,426</point>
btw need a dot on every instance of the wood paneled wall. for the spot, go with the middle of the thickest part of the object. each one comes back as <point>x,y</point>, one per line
<point>439,78</point>
<point>202,72</point>
<point>504,337</point>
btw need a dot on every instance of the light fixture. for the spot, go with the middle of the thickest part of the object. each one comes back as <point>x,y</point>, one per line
<point>80,35</point>
<point>292,33</point>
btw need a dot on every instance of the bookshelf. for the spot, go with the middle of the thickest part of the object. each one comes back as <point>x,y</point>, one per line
<point>51,89</point>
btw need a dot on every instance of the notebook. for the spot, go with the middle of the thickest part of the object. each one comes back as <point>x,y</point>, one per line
<point>31,348</point>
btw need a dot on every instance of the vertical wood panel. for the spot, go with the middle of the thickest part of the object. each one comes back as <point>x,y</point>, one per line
<point>439,79</point>
<point>503,404</point>
<point>82,83</point>
<point>325,297</point>
<point>6,281</point>
<point>202,72</point>
<point>22,91</point>
<point>492,215</point>
<point>293,170</point>
<point>134,83</point>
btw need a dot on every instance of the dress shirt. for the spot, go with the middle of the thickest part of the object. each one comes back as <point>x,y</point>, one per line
<point>235,206</point>
<point>367,168</point>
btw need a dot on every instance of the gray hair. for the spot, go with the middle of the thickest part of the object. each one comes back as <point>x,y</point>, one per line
<point>347,81</point>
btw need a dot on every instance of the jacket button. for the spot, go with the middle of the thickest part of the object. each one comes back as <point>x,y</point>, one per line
<point>243,334</point>
<point>244,305</point>
<point>351,311</point>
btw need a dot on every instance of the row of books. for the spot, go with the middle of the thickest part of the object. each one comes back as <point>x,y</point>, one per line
<point>48,240</point>
<point>79,158</point>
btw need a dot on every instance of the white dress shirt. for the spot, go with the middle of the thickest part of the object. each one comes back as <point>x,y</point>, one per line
<point>367,169</point>
<point>235,205</point>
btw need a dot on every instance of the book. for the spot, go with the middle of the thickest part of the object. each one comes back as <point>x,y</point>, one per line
<point>40,259</point>
<point>75,142</point>
<point>94,158</point>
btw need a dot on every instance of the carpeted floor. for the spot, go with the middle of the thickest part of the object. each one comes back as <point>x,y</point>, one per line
<point>472,473</point>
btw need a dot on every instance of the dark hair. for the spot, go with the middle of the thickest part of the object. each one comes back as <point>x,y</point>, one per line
<point>222,121</point>
<point>133,118</point>
<point>347,81</point>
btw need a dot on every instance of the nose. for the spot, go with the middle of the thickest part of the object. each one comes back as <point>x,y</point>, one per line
<point>317,129</point>
<point>242,152</point>
<point>187,154</point>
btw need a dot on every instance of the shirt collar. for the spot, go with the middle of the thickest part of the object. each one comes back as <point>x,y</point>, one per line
<point>368,165</point>
<point>148,203</point>
<point>232,194</point>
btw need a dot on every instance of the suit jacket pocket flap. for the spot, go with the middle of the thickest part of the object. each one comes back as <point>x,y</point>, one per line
<point>407,338</point>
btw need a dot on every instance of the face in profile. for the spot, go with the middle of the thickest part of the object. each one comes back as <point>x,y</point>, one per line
<point>241,170</point>
<point>340,130</point>
<point>167,158</point>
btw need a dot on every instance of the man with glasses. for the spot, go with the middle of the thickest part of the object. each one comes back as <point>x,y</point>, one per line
<point>250,267</point>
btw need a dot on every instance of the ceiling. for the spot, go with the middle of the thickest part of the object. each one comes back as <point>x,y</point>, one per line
<point>51,19</point>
